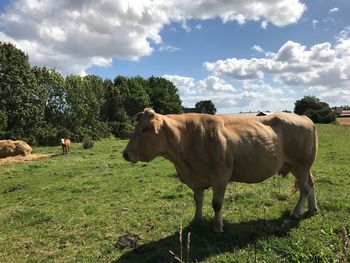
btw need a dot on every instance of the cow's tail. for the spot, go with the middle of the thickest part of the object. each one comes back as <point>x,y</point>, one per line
<point>315,143</point>
<point>295,187</point>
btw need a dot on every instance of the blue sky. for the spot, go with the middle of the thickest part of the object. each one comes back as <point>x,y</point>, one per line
<point>242,56</point>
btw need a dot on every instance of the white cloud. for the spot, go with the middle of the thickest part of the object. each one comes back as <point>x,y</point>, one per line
<point>321,69</point>
<point>293,64</point>
<point>258,48</point>
<point>70,35</point>
<point>315,23</point>
<point>254,95</point>
<point>338,97</point>
<point>168,48</point>
<point>236,68</point>
<point>333,10</point>
<point>290,52</point>
<point>185,85</point>
<point>264,24</point>
<point>215,84</point>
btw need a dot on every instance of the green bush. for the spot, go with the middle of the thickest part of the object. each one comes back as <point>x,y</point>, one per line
<point>122,130</point>
<point>88,143</point>
<point>316,110</point>
<point>100,130</point>
<point>82,132</point>
<point>46,135</point>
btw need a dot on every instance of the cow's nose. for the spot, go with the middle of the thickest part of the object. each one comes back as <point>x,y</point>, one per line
<point>126,155</point>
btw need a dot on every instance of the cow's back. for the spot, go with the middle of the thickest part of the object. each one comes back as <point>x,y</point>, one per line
<point>262,146</point>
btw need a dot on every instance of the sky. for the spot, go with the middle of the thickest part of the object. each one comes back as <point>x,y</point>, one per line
<point>243,55</point>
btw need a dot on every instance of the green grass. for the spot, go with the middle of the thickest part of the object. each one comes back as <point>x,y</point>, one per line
<point>74,208</point>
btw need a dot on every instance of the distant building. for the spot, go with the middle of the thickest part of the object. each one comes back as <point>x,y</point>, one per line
<point>341,112</point>
<point>250,113</point>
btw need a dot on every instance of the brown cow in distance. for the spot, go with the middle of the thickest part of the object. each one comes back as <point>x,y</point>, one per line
<point>66,145</point>
<point>211,151</point>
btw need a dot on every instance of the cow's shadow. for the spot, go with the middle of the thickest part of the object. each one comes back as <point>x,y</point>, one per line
<point>204,243</point>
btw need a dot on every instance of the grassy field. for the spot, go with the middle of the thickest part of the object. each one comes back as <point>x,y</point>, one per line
<point>78,208</point>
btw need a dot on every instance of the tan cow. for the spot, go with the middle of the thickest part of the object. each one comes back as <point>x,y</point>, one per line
<point>66,145</point>
<point>210,151</point>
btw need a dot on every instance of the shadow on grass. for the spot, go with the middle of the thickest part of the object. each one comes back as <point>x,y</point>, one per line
<point>205,243</point>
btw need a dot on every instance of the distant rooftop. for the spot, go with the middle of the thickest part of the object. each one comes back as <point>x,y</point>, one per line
<point>341,112</point>
<point>249,113</point>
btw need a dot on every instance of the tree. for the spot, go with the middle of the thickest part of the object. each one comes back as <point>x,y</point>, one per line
<point>3,123</point>
<point>113,111</point>
<point>316,110</point>
<point>135,97</point>
<point>85,100</point>
<point>52,84</point>
<point>22,100</point>
<point>205,106</point>
<point>40,106</point>
<point>164,96</point>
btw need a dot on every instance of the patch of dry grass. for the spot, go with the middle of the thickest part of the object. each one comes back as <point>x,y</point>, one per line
<point>20,158</point>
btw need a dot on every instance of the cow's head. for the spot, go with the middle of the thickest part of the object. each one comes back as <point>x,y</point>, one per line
<point>147,141</point>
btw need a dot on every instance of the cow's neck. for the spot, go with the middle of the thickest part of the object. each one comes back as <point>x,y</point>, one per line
<point>176,139</point>
<point>177,131</point>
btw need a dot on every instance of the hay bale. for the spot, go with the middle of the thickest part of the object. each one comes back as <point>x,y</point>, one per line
<point>13,148</point>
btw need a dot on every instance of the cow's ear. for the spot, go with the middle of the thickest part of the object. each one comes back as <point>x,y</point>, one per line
<point>150,113</point>
<point>157,123</point>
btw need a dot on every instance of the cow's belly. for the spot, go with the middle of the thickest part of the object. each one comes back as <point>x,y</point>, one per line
<point>253,173</point>
<point>256,166</point>
<point>193,178</point>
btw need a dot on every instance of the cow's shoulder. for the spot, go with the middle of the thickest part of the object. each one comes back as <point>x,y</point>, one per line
<point>204,121</point>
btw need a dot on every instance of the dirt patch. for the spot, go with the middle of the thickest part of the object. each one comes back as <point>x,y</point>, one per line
<point>13,188</point>
<point>127,240</point>
<point>345,120</point>
<point>30,157</point>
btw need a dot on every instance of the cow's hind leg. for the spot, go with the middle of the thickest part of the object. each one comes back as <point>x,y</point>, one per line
<point>218,199</point>
<point>304,179</point>
<point>312,205</point>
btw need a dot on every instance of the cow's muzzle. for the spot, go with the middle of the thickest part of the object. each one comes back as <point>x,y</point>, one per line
<point>126,156</point>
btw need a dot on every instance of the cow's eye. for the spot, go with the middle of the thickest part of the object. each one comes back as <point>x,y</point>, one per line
<point>146,129</point>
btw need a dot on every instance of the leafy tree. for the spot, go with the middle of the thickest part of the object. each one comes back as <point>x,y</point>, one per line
<point>3,123</point>
<point>22,99</point>
<point>205,106</point>
<point>135,97</point>
<point>40,106</point>
<point>113,101</point>
<point>164,96</point>
<point>113,110</point>
<point>52,84</point>
<point>316,110</point>
<point>85,99</point>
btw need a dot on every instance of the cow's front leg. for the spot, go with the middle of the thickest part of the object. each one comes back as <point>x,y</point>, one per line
<point>198,198</point>
<point>218,199</point>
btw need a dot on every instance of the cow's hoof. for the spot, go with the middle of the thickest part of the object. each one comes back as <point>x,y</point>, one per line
<point>310,212</point>
<point>218,229</point>
<point>294,215</point>
<point>197,218</point>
